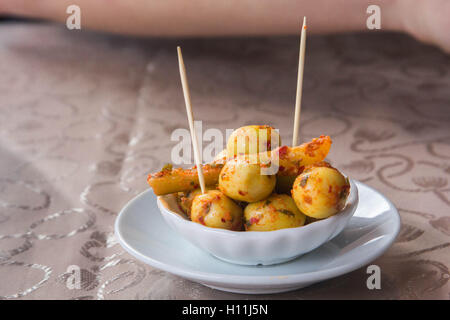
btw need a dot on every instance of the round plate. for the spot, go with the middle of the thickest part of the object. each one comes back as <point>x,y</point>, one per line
<point>142,232</point>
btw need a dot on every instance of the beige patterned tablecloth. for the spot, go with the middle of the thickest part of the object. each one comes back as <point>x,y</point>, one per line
<point>84,117</point>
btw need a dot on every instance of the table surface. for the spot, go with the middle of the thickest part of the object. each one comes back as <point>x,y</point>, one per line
<point>85,116</point>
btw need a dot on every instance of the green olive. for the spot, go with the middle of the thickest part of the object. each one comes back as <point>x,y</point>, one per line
<point>320,192</point>
<point>185,199</point>
<point>214,209</point>
<point>252,139</point>
<point>242,180</point>
<point>276,212</point>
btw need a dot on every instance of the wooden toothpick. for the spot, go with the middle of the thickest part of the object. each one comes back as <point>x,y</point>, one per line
<point>298,98</point>
<point>187,100</point>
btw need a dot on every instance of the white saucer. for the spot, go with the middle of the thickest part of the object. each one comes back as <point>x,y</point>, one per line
<point>142,232</point>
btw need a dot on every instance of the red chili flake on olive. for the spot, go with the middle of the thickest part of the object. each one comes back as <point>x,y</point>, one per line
<point>253,220</point>
<point>282,152</point>
<point>307,199</point>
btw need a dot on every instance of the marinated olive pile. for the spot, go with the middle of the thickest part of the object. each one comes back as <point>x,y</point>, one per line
<point>243,196</point>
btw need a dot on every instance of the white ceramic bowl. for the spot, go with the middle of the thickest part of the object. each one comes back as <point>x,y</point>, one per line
<point>258,247</point>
